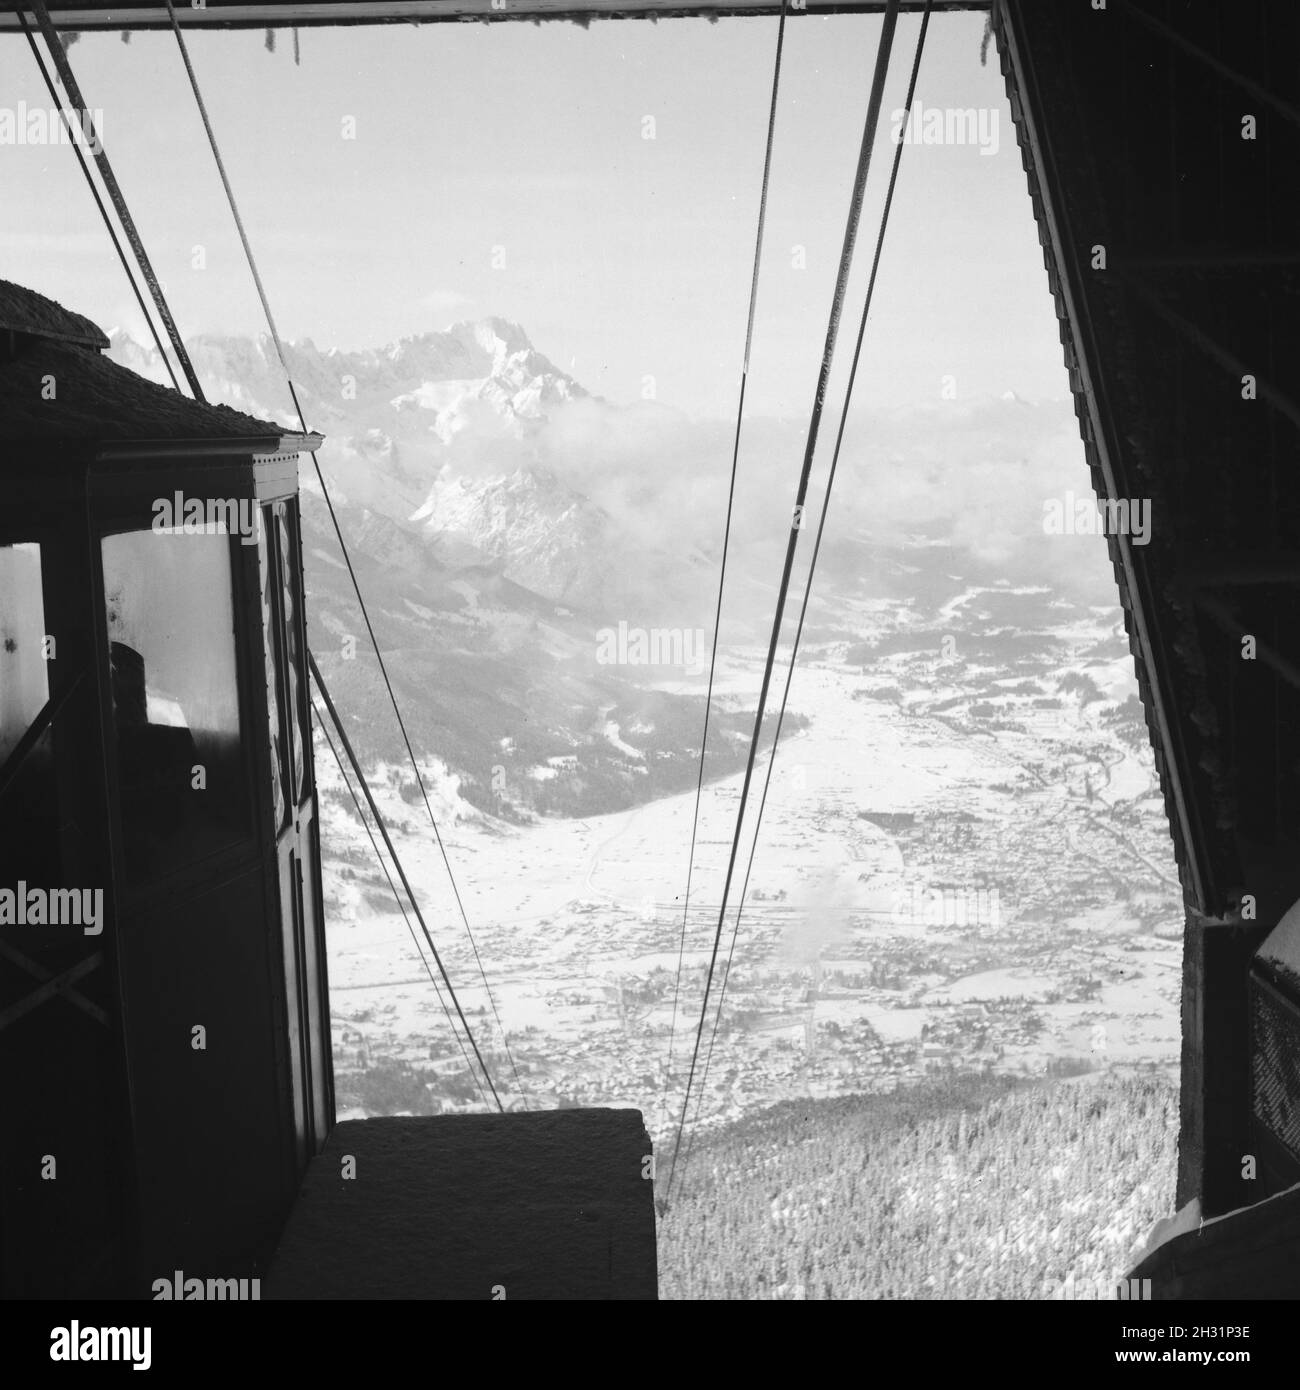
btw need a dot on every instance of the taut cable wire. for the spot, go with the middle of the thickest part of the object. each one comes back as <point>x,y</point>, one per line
<point>365,612</point>
<point>726,535</point>
<point>91,133</point>
<point>883,50</point>
<point>803,611</point>
<point>99,202</point>
<point>397,898</point>
<point>397,864</point>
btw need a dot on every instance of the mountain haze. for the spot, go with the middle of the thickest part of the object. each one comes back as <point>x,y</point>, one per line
<point>501,517</point>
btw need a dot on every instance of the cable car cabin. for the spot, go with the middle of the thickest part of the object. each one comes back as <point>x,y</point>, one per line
<point>164,1032</point>
<point>164,1021</point>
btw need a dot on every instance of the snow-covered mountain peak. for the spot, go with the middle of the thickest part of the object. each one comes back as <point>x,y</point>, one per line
<point>497,336</point>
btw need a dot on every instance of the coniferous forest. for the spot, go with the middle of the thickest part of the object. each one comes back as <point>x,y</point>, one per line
<point>965,1187</point>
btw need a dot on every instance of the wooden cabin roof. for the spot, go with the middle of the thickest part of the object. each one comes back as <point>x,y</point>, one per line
<point>56,386</point>
<point>24,311</point>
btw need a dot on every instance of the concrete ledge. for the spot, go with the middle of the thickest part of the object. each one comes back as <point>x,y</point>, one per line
<point>548,1204</point>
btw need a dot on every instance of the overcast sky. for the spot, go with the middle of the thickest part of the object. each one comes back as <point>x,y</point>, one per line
<point>624,257</point>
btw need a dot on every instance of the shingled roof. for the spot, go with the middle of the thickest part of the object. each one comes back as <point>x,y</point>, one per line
<point>57,387</point>
<point>24,311</point>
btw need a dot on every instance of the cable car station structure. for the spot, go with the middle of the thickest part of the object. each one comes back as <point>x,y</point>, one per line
<point>1161,140</point>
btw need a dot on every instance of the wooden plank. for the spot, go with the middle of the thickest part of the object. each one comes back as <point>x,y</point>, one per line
<point>38,972</point>
<point>57,984</point>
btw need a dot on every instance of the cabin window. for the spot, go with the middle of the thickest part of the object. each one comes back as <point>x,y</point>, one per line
<point>289,579</point>
<point>24,680</point>
<point>170,618</point>
<point>274,693</point>
<point>30,821</point>
<point>283,645</point>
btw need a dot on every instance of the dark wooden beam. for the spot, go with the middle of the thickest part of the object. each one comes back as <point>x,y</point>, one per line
<point>85,15</point>
<point>53,985</point>
<point>1213,260</point>
<point>1227,620</point>
<point>1043,118</point>
<point>1216,1129</point>
<point>1210,346</point>
<point>1182,44</point>
<point>1231,569</point>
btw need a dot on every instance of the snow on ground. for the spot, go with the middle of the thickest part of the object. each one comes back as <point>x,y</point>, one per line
<point>995,984</point>
<point>563,911</point>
